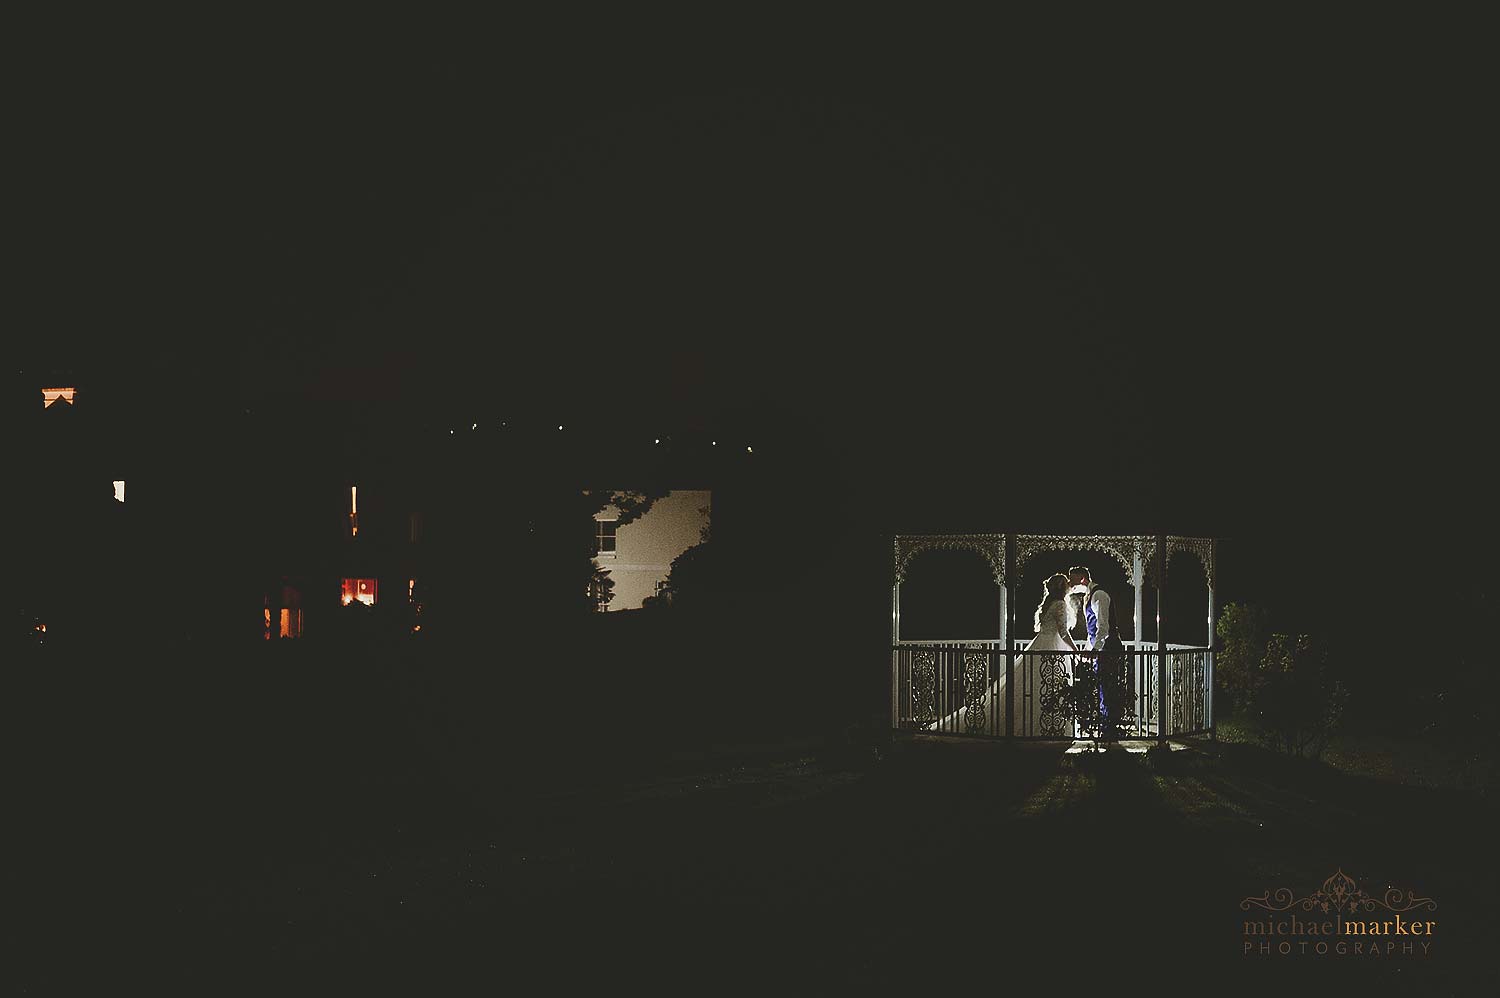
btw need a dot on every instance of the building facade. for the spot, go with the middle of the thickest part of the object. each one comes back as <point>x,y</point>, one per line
<point>638,553</point>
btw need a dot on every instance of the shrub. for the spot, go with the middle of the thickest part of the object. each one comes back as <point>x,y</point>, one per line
<point>1244,633</point>
<point>1297,700</point>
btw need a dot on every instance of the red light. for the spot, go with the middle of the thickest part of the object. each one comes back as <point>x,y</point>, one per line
<point>367,591</point>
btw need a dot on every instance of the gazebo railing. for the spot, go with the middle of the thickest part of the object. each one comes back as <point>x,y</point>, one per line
<point>997,643</point>
<point>960,688</point>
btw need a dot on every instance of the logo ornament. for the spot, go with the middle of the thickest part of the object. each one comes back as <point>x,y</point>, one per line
<point>1339,893</point>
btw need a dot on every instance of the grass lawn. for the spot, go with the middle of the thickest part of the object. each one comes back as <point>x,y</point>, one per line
<point>1393,759</point>
<point>808,866</point>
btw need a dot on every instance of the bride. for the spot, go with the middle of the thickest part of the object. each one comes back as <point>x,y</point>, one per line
<point>1053,621</point>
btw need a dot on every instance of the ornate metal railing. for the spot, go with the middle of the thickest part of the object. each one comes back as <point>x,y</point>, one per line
<point>960,688</point>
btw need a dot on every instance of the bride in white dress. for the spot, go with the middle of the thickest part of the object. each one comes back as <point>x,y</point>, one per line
<point>1053,621</point>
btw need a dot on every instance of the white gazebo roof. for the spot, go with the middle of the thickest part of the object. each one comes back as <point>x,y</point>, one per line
<point>1133,553</point>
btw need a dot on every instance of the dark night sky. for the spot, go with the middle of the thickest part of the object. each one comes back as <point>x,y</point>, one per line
<point>1255,248</point>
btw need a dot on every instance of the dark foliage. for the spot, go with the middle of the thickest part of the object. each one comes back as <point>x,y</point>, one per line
<point>1243,631</point>
<point>1295,696</point>
<point>696,579</point>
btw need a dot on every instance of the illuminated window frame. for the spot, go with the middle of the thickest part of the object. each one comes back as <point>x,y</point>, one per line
<point>606,538</point>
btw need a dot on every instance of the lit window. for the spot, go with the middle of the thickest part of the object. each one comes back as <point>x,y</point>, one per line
<point>604,539</point>
<point>120,492</point>
<point>283,613</point>
<point>51,395</point>
<point>353,512</point>
<point>364,590</point>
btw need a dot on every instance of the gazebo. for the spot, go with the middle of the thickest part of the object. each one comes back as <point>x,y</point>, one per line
<point>991,688</point>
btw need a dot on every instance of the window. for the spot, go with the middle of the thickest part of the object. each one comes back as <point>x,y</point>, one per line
<point>120,491</point>
<point>604,540</point>
<point>283,613</point>
<point>291,622</point>
<point>51,395</point>
<point>353,512</point>
<point>364,590</point>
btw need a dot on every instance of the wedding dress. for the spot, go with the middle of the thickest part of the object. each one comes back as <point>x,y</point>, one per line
<point>1034,671</point>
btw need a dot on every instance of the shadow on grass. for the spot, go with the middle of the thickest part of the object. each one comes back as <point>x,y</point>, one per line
<point>319,820</point>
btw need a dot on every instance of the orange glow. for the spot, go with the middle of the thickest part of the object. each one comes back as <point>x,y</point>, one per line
<point>50,395</point>
<point>268,623</point>
<point>364,590</point>
<point>291,623</point>
<point>411,585</point>
<point>353,511</point>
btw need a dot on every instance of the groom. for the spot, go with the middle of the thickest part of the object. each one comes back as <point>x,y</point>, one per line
<point>1098,614</point>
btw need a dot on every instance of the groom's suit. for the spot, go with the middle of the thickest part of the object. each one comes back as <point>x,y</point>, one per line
<point>1099,615</point>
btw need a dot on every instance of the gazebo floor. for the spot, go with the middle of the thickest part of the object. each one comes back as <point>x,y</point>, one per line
<point>1135,746</point>
<point>1132,746</point>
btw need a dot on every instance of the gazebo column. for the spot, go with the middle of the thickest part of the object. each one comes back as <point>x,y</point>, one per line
<point>1004,623</point>
<point>1010,634</point>
<point>1137,580</point>
<point>1208,679</point>
<point>1138,636</point>
<point>1163,699</point>
<point>895,654</point>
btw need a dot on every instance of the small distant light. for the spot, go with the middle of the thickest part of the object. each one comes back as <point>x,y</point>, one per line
<point>658,439</point>
<point>450,433</point>
<point>715,443</point>
<point>559,426</point>
<point>474,427</point>
<point>749,450</point>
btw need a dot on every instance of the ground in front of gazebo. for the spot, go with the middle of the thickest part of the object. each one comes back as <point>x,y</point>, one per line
<point>819,867</point>
<point>1129,746</point>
